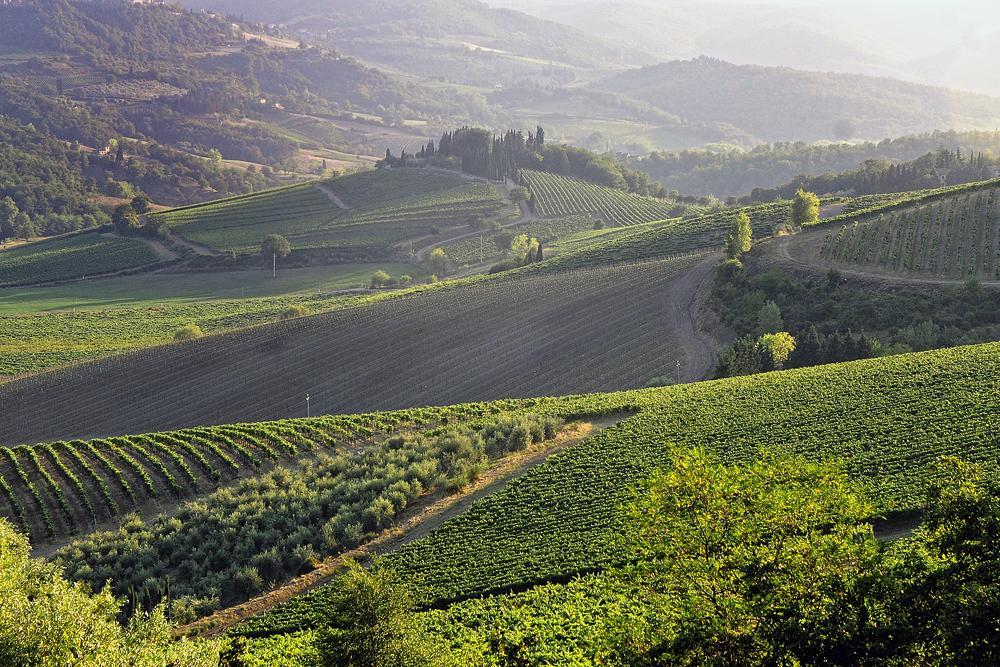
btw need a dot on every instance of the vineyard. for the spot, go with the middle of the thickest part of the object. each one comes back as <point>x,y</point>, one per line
<point>335,502</point>
<point>385,207</point>
<point>546,230</point>
<point>558,196</point>
<point>956,237</point>
<point>540,329</point>
<point>696,234</point>
<point>72,257</point>
<point>887,419</point>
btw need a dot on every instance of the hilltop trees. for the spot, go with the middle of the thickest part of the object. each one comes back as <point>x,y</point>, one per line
<point>739,240</point>
<point>805,208</point>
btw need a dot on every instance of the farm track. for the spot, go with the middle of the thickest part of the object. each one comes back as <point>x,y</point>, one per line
<point>683,299</point>
<point>333,196</point>
<point>523,336</point>
<point>785,249</point>
<point>424,517</point>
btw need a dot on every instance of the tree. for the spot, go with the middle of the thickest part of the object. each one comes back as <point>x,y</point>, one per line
<point>380,279</point>
<point>141,204</point>
<point>769,319</point>
<point>8,214</point>
<point>125,219</point>
<point>46,621</point>
<point>372,622</point>
<point>275,246</point>
<point>437,262</point>
<point>739,240</point>
<point>23,228</point>
<point>519,194</point>
<point>778,346</point>
<point>950,597</point>
<point>771,563</point>
<point>805,208</point>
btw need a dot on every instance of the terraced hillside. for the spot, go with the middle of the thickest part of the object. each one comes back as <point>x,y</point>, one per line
<point>365,210</point>
<point>72,257</point>
<point>559,196</point>
<point>559,519</point>
<point>485,339</point>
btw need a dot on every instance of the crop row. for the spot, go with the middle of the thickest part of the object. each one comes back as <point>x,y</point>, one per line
<point>955,237</point>
<point>59,488</point>
<point>887,419</point>
<point>75,256</point>
<point>559,196</point>
<point>228,544</point>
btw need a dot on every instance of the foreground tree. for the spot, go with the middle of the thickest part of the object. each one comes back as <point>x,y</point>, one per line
<point>739,240</point>
<point>273,247</point>
<point>48,621</point>
<point>373,624</point>
<point>380,279</point>
<point>805,208</point>
<point>436,262</point>
<point>770,563</point>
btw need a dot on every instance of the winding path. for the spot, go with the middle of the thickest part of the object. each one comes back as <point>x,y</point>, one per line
<point>684,300</point>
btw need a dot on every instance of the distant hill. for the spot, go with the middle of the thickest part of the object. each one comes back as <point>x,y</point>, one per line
<point>460,40</point>
<point>775,104</point>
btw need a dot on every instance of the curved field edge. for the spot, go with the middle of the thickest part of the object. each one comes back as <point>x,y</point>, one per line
<point>539,329</point>
<point>886,418</point>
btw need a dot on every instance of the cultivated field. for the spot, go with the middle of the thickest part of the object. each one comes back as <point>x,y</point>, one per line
<point>427,347</point>
<point>365,210</point>
<point>557,196</point>
<point>560,519</point>
<point>72,257</point>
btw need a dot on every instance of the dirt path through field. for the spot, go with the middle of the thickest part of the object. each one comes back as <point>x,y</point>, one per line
<point>526,216</point>
<point>685,300</point>
<point>426,517</point>
<point>332,196</point>
<point>784,249</point>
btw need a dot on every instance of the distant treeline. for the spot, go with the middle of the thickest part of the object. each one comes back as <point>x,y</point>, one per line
<point>500,156</point>
<point>938,168</point>
<point>731,172</point>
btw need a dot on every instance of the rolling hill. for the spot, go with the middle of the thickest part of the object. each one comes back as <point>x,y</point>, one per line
<point>539,330</point>
<point>781,104</point>
<point>557,522</point>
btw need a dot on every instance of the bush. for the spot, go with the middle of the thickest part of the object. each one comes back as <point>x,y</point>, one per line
<point>293,311</point>
<point>189,331</point>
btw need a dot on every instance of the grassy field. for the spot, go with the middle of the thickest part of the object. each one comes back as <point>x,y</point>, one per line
<point>885,418</point>
<point>71,257</point>
<point>539,330</point>
<point>384,207</point>
<point>45,327</point>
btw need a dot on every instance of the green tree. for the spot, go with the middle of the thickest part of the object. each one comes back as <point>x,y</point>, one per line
<point>125,219</point>
<point>23,227</point>
<point>380,279</point>
<point>275,245</point>
<point>769,319</point>
<point>949,599</point>
<point>778,347</point>
<point>519,194</point>
<point>46,621</point>
<point>372,622</point>
<point>436,262</point>
<point>8,214</point>
<point>805,208</point>
<point>739,240</point>
<point>141,204</point>
<point>766,564</point>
